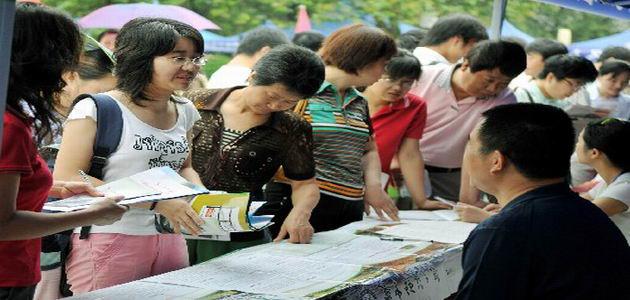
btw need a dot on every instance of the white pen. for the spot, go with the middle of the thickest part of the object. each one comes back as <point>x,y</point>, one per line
<point>447,202</point>
<point>85,177</point>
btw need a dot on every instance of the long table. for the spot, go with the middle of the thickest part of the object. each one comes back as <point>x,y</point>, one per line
<point>347,263</point>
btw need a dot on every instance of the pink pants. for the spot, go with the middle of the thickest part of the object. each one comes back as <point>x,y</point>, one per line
<point>108,259</point>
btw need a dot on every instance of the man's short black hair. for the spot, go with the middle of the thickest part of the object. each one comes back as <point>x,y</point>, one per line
<point>309,39</point>
<point>299,69</point>
<point>610,136</point>
<point>546,48</point>
<point>403,65</point>
<point>259,38</point>
<point>509,57</point>
<point>616,52</point>
<point>615,67</point>
<point>569,66</point>
<point>465,26</point>
<point>537,139</point>
<point>411,39</point>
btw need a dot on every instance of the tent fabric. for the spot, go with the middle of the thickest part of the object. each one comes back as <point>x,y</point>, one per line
<point>591,49</point>
<point>619,9</point>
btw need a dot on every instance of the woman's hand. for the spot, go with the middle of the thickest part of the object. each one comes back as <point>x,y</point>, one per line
<point>297,226</point>
<point>106,211</point>
<point>180,214</point>
<point>376,198</point>
<point>65,189</point>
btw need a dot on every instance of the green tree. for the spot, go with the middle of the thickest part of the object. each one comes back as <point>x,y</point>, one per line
<point>535,18</point>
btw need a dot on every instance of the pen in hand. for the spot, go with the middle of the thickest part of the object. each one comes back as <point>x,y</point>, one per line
<point>85,177</point>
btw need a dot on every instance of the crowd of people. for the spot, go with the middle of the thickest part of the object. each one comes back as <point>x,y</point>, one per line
<point>315,127</point>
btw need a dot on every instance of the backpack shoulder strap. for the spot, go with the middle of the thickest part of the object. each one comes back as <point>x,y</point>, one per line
<point>108,132</point>
<point>109,125</point>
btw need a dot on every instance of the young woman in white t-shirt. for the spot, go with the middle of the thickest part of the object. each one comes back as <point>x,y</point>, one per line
<point>155,57</point>
<point>605,146</point>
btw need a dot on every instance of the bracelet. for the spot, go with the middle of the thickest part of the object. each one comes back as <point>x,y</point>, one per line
<point>153,205</point>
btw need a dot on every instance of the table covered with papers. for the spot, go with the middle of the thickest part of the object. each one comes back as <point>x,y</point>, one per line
<point>371,259</point>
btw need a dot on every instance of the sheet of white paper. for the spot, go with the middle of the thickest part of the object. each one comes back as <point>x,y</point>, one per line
<point>439,231</point>
<point>436,215</point>
<point>447,214</point>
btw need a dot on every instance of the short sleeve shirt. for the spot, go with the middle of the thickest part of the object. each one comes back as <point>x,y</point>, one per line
<point>341,132</point>
<point>250,160</point>
<point>449,121</point>
<point>19,260</point>
<point>141,148</point>
<point>618,190</point>
<point>396,122</point>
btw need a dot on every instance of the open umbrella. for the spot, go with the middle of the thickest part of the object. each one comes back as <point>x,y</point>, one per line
<point>116,15</point>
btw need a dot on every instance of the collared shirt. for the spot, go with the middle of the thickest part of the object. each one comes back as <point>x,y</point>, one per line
<point>546,244</point>
<point>449,122</point>
<point>250,159</point>
<point>341,131</point>
<point>531,93</point>
<point>395,122</point>
<point>428,56</point>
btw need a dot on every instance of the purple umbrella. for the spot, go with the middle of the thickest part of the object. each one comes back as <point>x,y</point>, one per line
<point>116,15</point>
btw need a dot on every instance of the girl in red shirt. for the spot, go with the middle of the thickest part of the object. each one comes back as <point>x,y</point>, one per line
<point>45,44</point>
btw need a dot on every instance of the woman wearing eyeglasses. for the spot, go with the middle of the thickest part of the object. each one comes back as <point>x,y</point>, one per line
<point>604,146</point>
<point>398,120</point>
<point>155,57</point>
<point>560,78</point>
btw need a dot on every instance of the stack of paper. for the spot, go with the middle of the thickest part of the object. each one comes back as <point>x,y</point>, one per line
<point>152,185</point>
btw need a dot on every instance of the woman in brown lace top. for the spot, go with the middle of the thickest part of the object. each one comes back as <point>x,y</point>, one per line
<point>247,133</point>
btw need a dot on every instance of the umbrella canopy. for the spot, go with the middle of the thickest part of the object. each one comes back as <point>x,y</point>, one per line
<point>116,15</point>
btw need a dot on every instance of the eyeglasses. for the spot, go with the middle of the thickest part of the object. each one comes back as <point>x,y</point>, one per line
<point>573,85</point>
<point>403,83</point>
<point>182,61</point>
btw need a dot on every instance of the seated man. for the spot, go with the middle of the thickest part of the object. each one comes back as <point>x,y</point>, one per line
<point>456,95</point>
<point>561,76</point>
<point>546,242</point>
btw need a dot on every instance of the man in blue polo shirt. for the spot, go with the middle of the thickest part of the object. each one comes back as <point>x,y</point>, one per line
<point>547,242</point>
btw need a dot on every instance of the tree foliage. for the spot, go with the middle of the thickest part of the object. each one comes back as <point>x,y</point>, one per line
<point>535,18</point>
